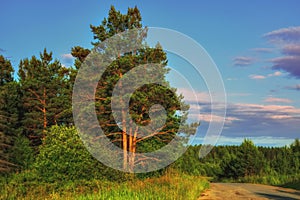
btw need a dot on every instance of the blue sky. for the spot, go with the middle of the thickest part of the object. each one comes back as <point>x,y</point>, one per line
<point>256,46</point>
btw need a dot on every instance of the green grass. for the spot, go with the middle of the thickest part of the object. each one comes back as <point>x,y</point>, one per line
<point>294,185</point>
<point>168,187</point>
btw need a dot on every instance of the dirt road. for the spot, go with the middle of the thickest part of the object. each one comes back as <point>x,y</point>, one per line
<point>232,191</point>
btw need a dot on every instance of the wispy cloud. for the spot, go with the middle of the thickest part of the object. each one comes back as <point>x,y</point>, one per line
<point>257,77</point>
<point>290,34</point>
<point>277,100</point>
<point>243,61</point>
<point>293,87</point>
<point>262,50</point>
<point>260,77</point>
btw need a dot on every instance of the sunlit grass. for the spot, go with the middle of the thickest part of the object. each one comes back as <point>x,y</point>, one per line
<point>170,186</point>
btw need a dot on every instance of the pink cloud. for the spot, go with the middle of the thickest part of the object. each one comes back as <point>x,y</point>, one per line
<point>257,77</point>
<point>277,100</point>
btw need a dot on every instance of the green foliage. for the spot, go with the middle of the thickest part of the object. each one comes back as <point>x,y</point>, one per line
<point>244,163</point>
<point>46,95</point>
<point>21,153</point>
<point>168,187</point>
<point>6,71</point>
<point>9,114</point>
<point>63,157</point>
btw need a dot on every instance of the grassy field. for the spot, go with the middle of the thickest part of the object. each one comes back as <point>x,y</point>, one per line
<point>170,186</point>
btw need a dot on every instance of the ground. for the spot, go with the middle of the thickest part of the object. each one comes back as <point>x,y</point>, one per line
<point>232,191</point>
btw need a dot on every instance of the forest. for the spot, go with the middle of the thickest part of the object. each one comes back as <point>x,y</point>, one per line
<point>42,156</point>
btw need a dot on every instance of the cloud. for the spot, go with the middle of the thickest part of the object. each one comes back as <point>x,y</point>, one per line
<point>277,73</point>
<point>257,77</point>
<point>67,59</point>
<point>263,120</point>
<point>290,64</point>
<point>290,34</point>
<point>288,42</point>
<point>263,50</point>
<point>260,77</point>
<point>281,117</point>
<point>253,120</point>
<point>245,119</point>
<point>277,100</point>
<point>293,87</point>
<point>243,61</point>
<point>291,49</point>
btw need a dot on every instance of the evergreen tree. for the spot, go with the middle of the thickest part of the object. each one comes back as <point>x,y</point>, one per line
<point>129,138</point>
<point>8,113</point>
<point>45,95</point>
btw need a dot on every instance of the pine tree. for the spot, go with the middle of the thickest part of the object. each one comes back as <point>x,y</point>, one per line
<point>46,95</point>
<point>8,113</point>
<point>129,138</point>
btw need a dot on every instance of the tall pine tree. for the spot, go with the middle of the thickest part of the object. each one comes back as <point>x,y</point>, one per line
<point>129,138</point>
<point>46,95</point>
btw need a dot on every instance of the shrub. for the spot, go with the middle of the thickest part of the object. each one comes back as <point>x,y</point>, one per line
<point>63,157</point>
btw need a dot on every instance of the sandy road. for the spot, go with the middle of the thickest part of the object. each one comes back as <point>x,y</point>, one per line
<point>232,191</point>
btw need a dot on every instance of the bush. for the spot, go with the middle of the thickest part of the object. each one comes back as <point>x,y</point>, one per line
<point>63,157</point>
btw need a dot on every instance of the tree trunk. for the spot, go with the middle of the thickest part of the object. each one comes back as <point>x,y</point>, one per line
<point>45,122</point>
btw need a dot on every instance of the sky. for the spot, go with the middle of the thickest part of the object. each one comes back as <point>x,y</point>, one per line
<point>255,45</point>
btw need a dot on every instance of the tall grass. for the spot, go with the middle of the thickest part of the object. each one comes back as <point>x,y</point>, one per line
<point>168,187</point>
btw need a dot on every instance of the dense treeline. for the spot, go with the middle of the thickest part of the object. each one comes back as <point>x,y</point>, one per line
<point>247,162</point>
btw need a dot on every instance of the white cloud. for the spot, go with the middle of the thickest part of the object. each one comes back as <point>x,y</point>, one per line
<point>67,56</point>
<point>67,59</point>
<point>277,73</point>
<point>257,77</point>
